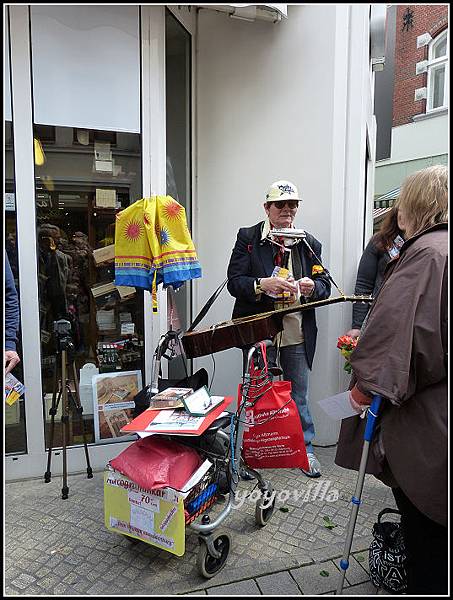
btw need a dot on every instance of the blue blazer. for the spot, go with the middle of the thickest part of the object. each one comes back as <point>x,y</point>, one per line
<point>253,258</point>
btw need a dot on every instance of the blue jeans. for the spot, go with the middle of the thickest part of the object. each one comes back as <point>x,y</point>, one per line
<point>293,361</point>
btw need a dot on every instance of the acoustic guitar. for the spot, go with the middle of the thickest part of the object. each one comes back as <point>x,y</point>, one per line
<point>249,330</point>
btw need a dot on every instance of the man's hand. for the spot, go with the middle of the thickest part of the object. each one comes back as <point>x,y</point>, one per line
<point>306,286</point>
<point>277,285</point>
<point>11,360</point>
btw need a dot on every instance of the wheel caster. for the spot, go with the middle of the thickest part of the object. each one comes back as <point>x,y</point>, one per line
<point>265,506</point>
<point>208,565</point>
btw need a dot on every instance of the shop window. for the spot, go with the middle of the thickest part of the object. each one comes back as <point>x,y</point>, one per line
<point>437,93</point>
<point>86,87</point>
<point>79,190</point>
<point>14,415</point>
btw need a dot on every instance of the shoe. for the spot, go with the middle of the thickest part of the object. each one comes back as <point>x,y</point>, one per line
<point>315,467</point>
<point>244,475</point>
<point>275,371</point>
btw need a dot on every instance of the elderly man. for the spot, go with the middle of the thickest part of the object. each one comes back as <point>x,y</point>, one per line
<point>252,263</point>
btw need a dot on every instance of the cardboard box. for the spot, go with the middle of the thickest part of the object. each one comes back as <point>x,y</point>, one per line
<point>12,413</point>
<point>155,517</point>
<point>106,254</point>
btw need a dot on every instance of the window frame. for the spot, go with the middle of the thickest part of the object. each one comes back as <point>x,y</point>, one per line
<point>434,65</point>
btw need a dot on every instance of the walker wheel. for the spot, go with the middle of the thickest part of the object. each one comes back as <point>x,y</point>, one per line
<point>207,565</point>
<point>265,506</point>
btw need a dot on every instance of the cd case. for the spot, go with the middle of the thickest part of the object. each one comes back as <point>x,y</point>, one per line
<point>201,403</point>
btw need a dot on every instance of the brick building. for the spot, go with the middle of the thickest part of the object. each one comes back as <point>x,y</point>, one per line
<point>411,98</point>
<point>418,26</point>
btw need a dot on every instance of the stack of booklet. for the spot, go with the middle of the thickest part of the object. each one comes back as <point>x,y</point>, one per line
<point>172,397</point>
<point>197,403</point>
<point>13,389</point>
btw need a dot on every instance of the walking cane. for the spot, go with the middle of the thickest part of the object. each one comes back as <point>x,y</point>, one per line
<point>356,501</point>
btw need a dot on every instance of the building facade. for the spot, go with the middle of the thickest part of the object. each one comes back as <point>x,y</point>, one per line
<point>420,91</point>
<point>106,104</point>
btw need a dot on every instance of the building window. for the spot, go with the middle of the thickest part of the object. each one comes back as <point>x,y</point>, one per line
<point>438,73</point>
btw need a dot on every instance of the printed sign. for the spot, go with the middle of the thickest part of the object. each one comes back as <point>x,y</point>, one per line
<point>155,517</point>
<point>113,396</point>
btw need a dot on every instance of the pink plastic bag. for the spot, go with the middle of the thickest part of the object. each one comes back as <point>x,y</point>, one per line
<point>154,463</point>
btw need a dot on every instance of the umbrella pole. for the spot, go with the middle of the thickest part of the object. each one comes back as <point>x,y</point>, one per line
<point>356,499</point>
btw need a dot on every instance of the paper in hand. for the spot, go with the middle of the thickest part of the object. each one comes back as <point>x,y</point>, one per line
<point>338,407</point>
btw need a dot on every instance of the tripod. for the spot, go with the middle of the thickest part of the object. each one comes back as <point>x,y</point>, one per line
<point>64,348</point>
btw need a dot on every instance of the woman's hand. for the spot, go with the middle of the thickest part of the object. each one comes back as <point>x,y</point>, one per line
<point>354,333</point>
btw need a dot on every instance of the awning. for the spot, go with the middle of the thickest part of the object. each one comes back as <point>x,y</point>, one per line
<point>251,12</point>
<point>392,195</point>
<point>384,203</point>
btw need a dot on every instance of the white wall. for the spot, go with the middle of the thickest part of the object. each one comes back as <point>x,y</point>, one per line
<point>272,103</point>
<point>428,137</point>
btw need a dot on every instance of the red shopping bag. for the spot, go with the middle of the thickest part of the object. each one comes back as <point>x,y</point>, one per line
<point>273,436</point>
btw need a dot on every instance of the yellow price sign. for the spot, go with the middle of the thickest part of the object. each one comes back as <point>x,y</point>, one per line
<point>155,517</point>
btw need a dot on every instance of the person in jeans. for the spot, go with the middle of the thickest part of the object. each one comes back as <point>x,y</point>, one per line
<point>250,281</point>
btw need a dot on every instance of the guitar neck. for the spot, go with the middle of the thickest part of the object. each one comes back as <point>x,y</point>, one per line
<point>308,305</point>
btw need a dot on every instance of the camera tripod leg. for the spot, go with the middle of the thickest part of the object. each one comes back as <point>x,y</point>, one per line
<point>65,423</point>
<point>52,413</point>
<point>79,409</point>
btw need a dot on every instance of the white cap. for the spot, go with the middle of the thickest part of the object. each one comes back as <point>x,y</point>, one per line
<point>282,190</point>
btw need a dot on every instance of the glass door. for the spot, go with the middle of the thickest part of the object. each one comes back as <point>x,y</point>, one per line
<point>178,80</point>
<point>15,430</point>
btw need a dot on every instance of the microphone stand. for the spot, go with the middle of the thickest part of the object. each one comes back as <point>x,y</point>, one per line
<point>329,276</point>
<point>299,234</point>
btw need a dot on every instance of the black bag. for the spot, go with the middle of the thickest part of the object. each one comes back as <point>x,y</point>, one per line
<point>195,381</point>
<point>387,555</point>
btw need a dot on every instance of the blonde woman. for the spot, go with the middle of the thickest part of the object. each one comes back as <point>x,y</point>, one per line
<point>402,355</point>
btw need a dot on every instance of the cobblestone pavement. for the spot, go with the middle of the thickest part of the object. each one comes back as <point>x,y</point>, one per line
<point>61,547</point>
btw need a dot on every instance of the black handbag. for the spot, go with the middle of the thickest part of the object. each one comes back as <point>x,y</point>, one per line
<point>387,555</point>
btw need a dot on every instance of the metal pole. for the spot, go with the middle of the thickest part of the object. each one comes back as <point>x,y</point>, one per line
<point>356,499</point>
<point>65,424</point>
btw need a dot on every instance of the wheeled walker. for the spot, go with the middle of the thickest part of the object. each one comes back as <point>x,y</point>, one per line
<point>221,445</point>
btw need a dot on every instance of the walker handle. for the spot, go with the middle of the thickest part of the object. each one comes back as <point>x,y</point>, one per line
<point>373,412</point>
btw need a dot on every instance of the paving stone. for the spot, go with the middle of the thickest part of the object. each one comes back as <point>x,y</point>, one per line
<point>363,559</point>
<point>278,584</point>
<point>311,582</point>
<point>241,588</point>
<point>355,574</point>
<point>81,544</point>
<point>23,581</point>
<point>363,589</point>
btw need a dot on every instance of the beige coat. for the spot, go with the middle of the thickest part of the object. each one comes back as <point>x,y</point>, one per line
<point>402,355</point>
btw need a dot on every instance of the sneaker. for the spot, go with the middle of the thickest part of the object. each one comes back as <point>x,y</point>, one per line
<point>315,467</point>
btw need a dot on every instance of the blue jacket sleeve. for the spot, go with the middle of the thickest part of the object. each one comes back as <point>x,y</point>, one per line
<point>240,279</point>
<point>11,308</point>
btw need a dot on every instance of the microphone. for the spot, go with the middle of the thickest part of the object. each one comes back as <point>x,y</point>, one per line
<point>288,232</point>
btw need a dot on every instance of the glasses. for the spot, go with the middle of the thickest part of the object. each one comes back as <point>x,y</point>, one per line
<point>281,204</point>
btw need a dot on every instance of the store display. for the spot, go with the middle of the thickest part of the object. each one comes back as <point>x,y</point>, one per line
<point>113,403</point>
